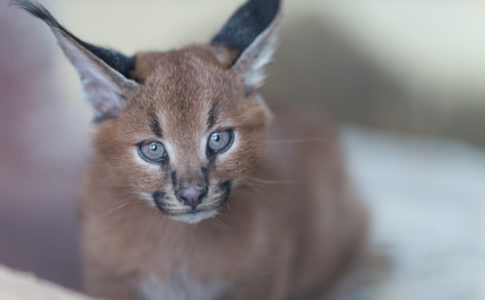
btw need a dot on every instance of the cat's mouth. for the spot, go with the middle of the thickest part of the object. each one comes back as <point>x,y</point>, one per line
<point>207,209</point>
<point>164,208</point>
<point>190,216</point>
<point>195,217</point>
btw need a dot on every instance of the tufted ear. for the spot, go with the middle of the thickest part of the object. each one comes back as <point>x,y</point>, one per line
<point>251,33</point>
<point>105,74</point>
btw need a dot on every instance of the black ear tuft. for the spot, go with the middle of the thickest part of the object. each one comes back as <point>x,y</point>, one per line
<point>121,63</point>
<point>251,34</point>
<point>37,10</point>
<point>247,23</point>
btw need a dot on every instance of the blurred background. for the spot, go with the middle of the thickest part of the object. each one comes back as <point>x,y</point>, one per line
<point>405,79</point>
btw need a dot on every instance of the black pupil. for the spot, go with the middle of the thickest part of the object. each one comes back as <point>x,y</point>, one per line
<point>153,147</point>
<point>216,138</point>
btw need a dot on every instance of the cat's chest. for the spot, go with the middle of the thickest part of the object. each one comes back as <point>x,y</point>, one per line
<point>181,285</point>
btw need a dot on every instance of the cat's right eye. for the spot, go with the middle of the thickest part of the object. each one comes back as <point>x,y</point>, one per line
<point>152,151</point>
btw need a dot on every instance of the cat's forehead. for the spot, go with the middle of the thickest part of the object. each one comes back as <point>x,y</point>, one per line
<point>180,80</point>
<point>194,66</point>
<point>185,90</point>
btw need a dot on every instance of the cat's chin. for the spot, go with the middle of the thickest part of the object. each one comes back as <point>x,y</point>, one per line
<point>194,218</point>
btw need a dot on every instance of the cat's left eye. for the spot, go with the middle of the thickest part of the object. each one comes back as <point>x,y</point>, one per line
<point>219,141</point>
<point>152,151</point>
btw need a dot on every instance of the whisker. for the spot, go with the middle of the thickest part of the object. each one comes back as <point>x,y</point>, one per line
<point>116,208</point>
<point>228,206</point>
<point>260,193</point>
<point>269,181</point>
<point>220,222</point>
<point>300,141</point>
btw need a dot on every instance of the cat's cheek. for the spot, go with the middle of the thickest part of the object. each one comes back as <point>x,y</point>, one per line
<point>148,198</point>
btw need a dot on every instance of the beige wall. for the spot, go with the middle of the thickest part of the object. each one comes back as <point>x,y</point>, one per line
<point>427,44</point>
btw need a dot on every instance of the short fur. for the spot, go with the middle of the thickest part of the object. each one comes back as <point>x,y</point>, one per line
<point>279,218</point>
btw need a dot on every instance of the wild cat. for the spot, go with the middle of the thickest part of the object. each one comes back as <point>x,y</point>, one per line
<point>194,190</point>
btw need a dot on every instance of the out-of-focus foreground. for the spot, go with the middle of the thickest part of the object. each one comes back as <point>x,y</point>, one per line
<point>16,285</point>
<point>410,72</point>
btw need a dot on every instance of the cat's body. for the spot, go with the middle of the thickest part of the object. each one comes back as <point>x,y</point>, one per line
<point>191,193</point>
<point>291,228</point>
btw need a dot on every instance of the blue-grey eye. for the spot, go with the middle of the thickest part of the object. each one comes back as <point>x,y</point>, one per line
<point>220,141</point>
<point>152,151</point>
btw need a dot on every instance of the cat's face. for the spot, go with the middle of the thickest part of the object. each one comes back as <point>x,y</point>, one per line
<point>186,136</point>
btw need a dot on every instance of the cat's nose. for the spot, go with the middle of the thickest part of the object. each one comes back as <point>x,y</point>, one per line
<point>191,196</point>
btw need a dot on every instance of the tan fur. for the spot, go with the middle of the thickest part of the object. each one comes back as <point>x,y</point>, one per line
<point>290,227</point>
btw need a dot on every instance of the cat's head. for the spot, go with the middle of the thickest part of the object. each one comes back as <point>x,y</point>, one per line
<point>178,129</point>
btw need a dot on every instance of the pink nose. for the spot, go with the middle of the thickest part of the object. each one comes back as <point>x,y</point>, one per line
<point>191,196</point>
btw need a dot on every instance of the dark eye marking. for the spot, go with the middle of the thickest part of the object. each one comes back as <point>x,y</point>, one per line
<point>173,176</point>
<point>212,118</point>
<point>155,126</point>
<point>205,171</point>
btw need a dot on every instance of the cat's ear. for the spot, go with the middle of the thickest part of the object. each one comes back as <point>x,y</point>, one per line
<point>105,74</point>
<point>250,32</point>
